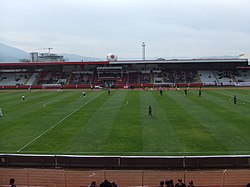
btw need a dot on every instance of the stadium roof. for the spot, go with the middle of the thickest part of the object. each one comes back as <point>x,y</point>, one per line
<point>176,61</point>
<point>123,62</point>
<point>4,64</point>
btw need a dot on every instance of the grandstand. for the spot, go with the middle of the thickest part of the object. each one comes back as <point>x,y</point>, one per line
<point>189,72</point>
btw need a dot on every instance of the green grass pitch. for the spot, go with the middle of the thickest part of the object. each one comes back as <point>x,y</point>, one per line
<point>65,122</point>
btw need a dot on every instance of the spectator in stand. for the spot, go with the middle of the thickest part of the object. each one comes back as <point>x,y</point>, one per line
<point>248,185</point>
<point>169,183</point>
<point>161,184</point>
<point>191,184</point>
<point>105,183</point>
<point>180,183</point>
<point>113,184</point>
<point>12,182</point>
<point>93,184</point>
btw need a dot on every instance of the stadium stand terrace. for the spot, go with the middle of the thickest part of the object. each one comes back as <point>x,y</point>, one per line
<point>183,72</point>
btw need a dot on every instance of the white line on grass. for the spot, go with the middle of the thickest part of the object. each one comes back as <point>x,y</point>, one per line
<point>149,153</point>
<point>104,108</point>
<point>45,104</point>
<point>58,122</point>
<point>231,99</point>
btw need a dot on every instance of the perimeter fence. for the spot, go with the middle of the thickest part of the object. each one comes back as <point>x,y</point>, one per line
<point>34,177</point>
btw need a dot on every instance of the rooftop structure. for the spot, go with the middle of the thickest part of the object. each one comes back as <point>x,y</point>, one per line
<point>45,57</point>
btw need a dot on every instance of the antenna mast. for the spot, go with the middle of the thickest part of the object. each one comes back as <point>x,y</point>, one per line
<point>143,50</point>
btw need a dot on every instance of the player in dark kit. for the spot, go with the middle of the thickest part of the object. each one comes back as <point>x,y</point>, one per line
<point>199,92</point>
<point>83,94</point>
<point>185,91</point>
<point>149,110</point>
<point>235,99</point>
<point>161,91</point>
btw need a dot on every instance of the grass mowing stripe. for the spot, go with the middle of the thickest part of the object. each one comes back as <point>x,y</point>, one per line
<point>125,134</point>
<point>93,134</point>
<point>56,113</point>
<point>184,129</point>
<point>217,120</point>
<point>58,123</point>
<point>27,111</point>
<point>17,106</point>
<point>181,125</point>
<point>68,135</point>
<point>24,124</point>
<point>241,97</point>
<point>208,119</point>
<point>231,114</point>
<point>79,132</point>
<point>189,127</point>
<point>157,127</point>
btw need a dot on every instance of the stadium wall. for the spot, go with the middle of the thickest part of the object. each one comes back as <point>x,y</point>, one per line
<point>125,162</point>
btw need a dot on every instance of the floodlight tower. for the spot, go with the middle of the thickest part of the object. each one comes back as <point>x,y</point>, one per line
<point>143,50</point>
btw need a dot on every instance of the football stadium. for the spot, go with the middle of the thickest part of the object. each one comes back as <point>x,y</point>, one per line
<point>129,122</point>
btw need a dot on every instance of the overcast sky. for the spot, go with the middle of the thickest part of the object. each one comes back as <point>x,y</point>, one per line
<point>169,28</point>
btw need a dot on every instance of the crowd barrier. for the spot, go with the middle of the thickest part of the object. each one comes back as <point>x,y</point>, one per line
<point>124,162</point>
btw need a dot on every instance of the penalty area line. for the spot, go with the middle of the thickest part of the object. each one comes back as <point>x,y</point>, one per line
<point>58,123</point>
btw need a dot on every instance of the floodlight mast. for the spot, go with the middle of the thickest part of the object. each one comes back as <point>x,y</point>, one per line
<point>143,50</point>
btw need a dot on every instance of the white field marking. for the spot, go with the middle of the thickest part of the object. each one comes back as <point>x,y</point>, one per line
<point>58,122</point>
<point>117,106</point>
<point>233,153</point>
<point>45,104</point>
<point>241,103</point>
<point>230,99</point>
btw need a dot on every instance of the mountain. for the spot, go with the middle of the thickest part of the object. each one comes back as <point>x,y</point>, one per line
<point>221,57</point>
<point>11,54</point>
<point>77,58</point>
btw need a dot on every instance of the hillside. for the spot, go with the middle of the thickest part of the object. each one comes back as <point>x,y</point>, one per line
<point>12,54</point>
<point>76,58</point>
